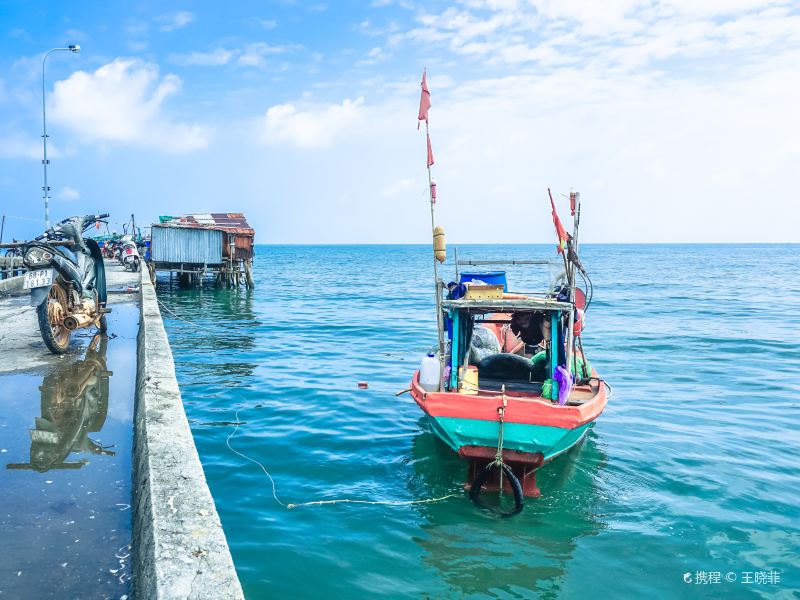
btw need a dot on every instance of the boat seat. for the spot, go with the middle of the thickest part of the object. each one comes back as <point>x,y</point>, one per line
<point>496,385</point>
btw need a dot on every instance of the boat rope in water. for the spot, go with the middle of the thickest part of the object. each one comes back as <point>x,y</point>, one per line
<point>291,506</point>
<point>253,460</point>
<point>379,502</point>
<point>484,474</point>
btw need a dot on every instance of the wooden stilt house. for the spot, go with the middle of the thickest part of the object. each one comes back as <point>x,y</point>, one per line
<point>194,246</point>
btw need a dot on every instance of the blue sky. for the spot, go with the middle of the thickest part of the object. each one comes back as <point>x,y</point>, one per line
<point>676,119</point>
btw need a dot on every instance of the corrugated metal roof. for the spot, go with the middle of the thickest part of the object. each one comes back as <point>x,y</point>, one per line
<point>190,245</point>
<point>230,222</point>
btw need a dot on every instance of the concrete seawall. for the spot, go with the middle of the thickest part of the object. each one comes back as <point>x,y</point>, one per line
<point>179,547</point>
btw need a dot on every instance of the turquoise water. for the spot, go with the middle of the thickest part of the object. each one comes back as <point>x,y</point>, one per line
<point>692,467</point>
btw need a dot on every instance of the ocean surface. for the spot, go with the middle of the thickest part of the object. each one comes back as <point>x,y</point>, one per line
<point>687,485</point>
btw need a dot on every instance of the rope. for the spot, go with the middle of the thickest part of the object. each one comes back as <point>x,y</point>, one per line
<point>164,306</point>
<point>498,457</point>
<point>380,502</point>
<point>321,502</point>
<point>253,460</point>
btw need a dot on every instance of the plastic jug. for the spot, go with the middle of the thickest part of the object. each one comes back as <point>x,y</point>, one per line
<point>429,371</point>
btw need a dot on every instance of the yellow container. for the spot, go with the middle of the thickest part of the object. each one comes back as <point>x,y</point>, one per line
<point>468,379</point>
<point>483,292</point>
<point>439,245</point>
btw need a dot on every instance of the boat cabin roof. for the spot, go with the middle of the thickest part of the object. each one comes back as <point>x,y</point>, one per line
<point>503,305</point>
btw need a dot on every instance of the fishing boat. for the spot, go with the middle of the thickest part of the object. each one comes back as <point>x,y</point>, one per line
<point>509,387</point>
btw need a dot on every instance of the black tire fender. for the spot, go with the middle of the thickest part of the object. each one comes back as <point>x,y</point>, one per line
<point>516,486</point>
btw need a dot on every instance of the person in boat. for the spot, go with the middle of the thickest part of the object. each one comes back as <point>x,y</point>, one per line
<point>533,328</point>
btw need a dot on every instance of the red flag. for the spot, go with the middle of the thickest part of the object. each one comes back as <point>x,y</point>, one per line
<point>430,150</point>
<point>562,234</point>
<point>424,103</point>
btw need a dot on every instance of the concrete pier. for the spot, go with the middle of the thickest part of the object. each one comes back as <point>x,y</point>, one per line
<point>179,547</point>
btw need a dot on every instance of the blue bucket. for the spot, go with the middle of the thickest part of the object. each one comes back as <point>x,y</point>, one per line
<point>489,277</point>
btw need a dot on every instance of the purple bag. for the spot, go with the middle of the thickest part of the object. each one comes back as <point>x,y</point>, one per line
<point>564,379</point>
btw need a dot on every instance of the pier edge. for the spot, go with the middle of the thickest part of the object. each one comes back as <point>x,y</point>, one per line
<point>179,546</point>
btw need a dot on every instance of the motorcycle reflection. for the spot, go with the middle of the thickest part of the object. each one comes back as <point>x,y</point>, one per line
<point>74,403</point>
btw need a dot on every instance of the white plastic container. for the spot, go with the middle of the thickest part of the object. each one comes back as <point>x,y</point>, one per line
<point>429,373</point>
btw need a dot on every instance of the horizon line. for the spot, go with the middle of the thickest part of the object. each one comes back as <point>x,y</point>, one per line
<point>528,244</point>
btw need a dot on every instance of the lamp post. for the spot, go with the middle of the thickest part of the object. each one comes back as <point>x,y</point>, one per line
<point>46,189</point>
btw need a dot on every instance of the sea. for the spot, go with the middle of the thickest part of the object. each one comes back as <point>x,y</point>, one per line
<point>687,485</point>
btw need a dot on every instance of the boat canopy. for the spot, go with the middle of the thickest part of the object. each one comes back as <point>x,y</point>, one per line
<point>505,305</point>
<point>461,315</point>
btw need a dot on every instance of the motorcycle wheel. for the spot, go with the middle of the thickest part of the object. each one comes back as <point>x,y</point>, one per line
<point>135,266</point>
<point>50,314</point>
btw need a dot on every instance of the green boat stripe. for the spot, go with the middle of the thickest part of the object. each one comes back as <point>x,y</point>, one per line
<point>550,441</point>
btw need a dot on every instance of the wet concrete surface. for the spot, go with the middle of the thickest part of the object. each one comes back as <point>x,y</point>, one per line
<point>66,436</point>
<point>21,345</point>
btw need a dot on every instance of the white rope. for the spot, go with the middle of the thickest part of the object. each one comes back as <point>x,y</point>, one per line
<point>164,306</point>
<point>381,502</point>
<point>253,460</point>
<point>321,502</point>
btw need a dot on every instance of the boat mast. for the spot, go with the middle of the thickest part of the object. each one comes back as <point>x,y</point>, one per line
<point>575,207</point>
<point>436,282</point>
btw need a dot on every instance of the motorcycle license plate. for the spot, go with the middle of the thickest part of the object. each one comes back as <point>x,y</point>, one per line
<point>38,278</point>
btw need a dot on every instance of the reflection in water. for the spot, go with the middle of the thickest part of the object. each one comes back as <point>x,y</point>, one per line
<point>528,553</point>
<point>74,404</point>
<point>222,345</point>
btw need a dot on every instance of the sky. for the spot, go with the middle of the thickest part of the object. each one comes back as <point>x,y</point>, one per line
<point>676,120</point>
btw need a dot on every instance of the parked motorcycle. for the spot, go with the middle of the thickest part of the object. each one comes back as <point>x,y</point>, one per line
<point>68,286</point>
<point>129,254</point>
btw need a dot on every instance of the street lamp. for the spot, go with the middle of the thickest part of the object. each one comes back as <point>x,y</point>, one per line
<point>70,48</point>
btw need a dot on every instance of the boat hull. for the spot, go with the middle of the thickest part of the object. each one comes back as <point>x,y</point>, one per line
<point>522,437</point>
<point>535,430</point>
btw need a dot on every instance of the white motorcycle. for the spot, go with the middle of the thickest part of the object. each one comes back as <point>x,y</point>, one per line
<point>129,254</point>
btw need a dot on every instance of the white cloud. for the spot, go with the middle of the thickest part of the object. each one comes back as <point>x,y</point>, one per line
<point>20,145</point>
<point>268,23</point>
<point>174,20</point>
<point>252,55</point>
<point>123,102</point>
<point>657,158</point>
<point>255,55</point>
<point>20,34</point>
<point>374,56</point>
<point>618,34</point>
<point>76,35</point>
<point>136,27</point>
<point>399,187</point>
<point>217,57</point>
<point>67,194</point>
<point>313,127</point>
